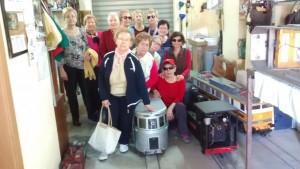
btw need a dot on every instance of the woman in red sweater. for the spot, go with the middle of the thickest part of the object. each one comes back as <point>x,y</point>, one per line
<point>171,92</point>
<point>107,43</point>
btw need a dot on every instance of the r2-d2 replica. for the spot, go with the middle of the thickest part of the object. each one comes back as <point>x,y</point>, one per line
<point>151,128</point>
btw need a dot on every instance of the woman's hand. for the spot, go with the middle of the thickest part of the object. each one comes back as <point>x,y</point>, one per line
<point>170,115</point>
<point>162,75</point>
<point>150,108</point>
<point>105,103</point>
<point>179,77</point>
<point>156,94</point>
<point>63,73</point>
<point>88,57</point>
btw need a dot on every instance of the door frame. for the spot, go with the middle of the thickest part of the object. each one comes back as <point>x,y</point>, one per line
<point>10,148</point>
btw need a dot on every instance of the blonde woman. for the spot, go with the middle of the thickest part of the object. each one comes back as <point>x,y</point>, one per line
<point>125,19</point>
<point>143,42</point>
<point>138,18</point>
<point>152,17</point>
<point>92,97</point>
<point>122,86</point>
<point>71,67</point>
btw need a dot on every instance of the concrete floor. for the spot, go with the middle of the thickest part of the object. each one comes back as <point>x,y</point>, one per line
<point>279,149</point>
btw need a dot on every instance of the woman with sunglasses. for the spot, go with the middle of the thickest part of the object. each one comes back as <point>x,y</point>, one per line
<point>152,17</point>
<point>171,91</point>
<point>107,42</point>
<point>122,86</point>
<point>143,42</point>
<point>183,60</point>
<point>92,96</point>
<point>125,19</point>
<point>138,18</point>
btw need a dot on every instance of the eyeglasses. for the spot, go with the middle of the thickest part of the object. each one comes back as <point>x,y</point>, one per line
<point>176,40</point>
<point>124,40</point>
<point>127,17</point>
<point>168,68</point>
<point>157,43</point>
<point>96,39</point>
<point>152,16</point>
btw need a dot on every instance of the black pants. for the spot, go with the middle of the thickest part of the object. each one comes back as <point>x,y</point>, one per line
<point>122,117</point>
<point>75,77</point>
<point>92,97</point>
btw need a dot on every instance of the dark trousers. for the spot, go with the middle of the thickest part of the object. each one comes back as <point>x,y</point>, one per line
<point>180,119</point>
<point>121,117</point>
<point>188,91</point>
<point>75,77</point>
<point>92,97</point>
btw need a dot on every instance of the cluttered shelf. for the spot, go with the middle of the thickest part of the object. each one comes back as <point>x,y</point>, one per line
<point>276,66</point>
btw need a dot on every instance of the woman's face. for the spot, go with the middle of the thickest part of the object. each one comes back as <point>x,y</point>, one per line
<point>163,30</point>
<point>113,22</point>
<point>123,41</point>
<point>156,44</point>
<point>90,25</point>
<point>126,19</point>
<point>177,42</point>
<point>143,47</point>
<point>138,18</point>
<point>169,70</point>
<point>71,18</point>
<point>152,18</point>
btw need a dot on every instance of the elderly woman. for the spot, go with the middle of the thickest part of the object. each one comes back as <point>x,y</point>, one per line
<point>152,17</point>
<point>121,86</point>
<point>107,42</point>
<point>171,92</point>
<point>138,18</point>
<point>183,60</point>
<point>155,46</point>
<point>143,42</point>
<point>71,67</point>
<point>163,31</point>
<point>125,19</point>
<point>92,96</point>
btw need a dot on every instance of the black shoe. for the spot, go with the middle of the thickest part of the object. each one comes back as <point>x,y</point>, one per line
<point>76,123</point>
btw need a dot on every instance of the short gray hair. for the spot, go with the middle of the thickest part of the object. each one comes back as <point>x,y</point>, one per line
<point>113,14</point>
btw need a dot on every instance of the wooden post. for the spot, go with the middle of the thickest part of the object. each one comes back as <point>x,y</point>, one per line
<point>250,77</point>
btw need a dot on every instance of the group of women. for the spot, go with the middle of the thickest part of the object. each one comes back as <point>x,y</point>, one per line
<point>158,64</point>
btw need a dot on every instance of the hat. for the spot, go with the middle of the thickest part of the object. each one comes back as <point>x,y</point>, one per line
<point>170,61</point>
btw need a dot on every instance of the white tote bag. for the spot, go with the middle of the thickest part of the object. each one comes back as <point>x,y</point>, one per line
<point>105,137</point>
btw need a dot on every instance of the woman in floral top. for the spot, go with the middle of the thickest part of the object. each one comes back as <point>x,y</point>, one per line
<point>71,67</point>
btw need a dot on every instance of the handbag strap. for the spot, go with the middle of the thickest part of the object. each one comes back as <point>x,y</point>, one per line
<point>109,122</point>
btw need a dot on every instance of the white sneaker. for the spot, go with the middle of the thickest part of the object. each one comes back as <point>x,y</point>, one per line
<point>123,148</point>
<point>103,156</point>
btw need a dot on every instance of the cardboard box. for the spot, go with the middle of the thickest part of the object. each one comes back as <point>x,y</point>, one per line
<point>287,54</point>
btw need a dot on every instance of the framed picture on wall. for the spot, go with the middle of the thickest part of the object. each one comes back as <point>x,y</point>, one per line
<point>13,18</point>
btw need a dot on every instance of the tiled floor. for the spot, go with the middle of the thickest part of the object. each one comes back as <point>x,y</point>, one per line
<point>280,149</point>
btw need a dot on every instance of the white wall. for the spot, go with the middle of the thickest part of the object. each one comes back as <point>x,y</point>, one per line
<point>33,104</point>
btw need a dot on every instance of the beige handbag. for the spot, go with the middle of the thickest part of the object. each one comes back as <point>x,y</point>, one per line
<point>105,137</point>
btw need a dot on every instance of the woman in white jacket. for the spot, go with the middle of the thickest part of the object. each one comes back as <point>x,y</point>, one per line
<point>143,42</point>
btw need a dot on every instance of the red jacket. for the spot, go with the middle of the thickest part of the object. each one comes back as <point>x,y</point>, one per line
<point>107,44</point>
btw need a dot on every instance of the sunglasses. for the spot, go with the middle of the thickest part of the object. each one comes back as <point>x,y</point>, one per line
<point>176,40</point>
<point>168,68</point>
<point>127,17</point>
<point>152,16</point>
<point>96,39</point>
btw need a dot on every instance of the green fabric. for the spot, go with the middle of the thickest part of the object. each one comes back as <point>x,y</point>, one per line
<point>63,44</point>
<point>59,57</point>
<point>65,40</point>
